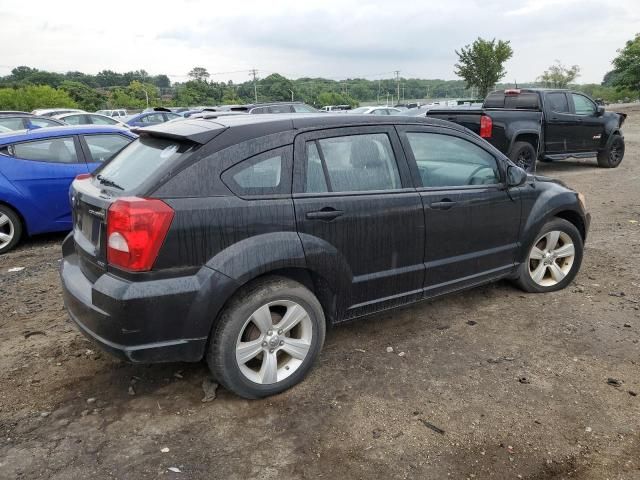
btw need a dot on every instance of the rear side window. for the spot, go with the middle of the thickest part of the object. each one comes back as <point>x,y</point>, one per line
<point>262,174</point>
<point>352,163</point>
<point>142,158</point>
<point>104,147</point>
<point>300,108</point>
<point>12,123</point>
<point>558,102</point>
<point>54,150</point>
<point>447,161</point>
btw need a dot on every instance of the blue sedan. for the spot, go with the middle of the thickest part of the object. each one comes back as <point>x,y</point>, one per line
<point>36,170</point>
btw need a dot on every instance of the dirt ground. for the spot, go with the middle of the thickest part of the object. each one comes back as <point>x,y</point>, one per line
<point>493,383</point>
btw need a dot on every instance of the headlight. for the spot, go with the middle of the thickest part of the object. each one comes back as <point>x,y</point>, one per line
<point>583,202</point>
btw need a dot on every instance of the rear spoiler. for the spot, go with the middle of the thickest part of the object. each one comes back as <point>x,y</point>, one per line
<point>192,131</point>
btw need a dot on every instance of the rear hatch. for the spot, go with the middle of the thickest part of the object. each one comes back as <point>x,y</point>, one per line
<point>134,172</point>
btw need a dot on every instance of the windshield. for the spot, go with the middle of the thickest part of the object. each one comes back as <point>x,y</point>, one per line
<point>359,110</point>
<point>142,158</point>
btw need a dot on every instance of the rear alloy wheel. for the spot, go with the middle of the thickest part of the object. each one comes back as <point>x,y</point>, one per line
<point>10,229</point>
<point>554,258</point>
<point>612,156</point>
<point>267,339</point>
<point>523,154</point>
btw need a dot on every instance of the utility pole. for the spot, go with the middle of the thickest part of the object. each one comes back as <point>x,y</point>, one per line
<point>254,73</point>
<point>397,72</point>
<point>378,91</point>
<point>291,95</point>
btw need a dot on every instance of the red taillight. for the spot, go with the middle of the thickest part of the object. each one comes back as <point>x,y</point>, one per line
<point>512,91</point>
<point>83,176</point>
<point>486,126</point>
<point>136,229</point>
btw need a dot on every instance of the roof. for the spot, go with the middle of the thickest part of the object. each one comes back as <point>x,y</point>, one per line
<point>49,132</point>
<point>200,130</point>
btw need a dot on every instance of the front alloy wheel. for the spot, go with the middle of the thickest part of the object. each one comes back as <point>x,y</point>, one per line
<point>551,258</point>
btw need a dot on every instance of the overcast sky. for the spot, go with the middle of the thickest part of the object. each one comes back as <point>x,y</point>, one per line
<point>335,39</point>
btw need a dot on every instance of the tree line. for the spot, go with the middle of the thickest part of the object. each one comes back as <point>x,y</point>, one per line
<point>480,67</point>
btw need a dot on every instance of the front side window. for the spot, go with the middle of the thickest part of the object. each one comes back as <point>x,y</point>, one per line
<point>447,161</point>
<point>352,163</point>
<point>279,109</point>
<point>259,175</point>
<point>54,150</point>
<point>583,105</point>
<point>558,102</point>
<point>104,147</point>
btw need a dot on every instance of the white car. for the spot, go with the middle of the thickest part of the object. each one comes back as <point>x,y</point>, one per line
<point>51,112</point>
<point>118,113</point>
<point>379,110</point>
<point>89,119</point>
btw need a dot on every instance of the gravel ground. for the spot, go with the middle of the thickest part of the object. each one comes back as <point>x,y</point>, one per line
<point>493,383</point>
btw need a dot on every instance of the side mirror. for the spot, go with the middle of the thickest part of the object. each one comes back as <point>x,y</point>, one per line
<point>515,176</point>
<point>599,111</point>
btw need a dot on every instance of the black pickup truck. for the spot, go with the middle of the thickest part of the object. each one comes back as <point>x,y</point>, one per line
<point>544,124</point>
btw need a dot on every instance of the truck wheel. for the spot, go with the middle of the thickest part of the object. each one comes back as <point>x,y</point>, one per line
<point>523,155</point>
<point>267,338</point>
<point>611,156</point>
<point>553,259</point>
<point>10,229</point>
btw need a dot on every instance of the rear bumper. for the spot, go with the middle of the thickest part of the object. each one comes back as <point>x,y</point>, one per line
<point>165,320</point>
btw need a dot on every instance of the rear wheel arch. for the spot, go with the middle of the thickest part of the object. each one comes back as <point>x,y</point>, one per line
<point>528,137</point>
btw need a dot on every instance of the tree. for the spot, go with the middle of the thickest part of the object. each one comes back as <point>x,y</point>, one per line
<point>88,98</point>
<point>559,76</point>
<point>199,74</point>
<point>627,65</point>
<point>30,97</point>
<point>481,63</point>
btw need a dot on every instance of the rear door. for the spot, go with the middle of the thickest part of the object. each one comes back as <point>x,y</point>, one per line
<point>560,123</point>
<point>43,171</point>
<point>357,212</point>
<point>472,223</point>
<point>589,131</point>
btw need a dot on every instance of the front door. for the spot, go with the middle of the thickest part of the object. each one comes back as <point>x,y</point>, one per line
<point>472,222</point>
<point>589,133</point>
<point>359,217</point>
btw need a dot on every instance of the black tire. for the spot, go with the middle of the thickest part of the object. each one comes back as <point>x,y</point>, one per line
<point>525,280</point>
<point>523,154</point>
<point>221,355</point>
<point>13,227</point>
<point>612,156</point>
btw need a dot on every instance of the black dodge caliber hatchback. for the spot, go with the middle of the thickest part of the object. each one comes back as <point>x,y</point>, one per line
<point>240,239</point>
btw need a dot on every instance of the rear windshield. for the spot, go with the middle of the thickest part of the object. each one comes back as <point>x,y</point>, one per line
<point>141,159</point>
<point>524,100</point>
